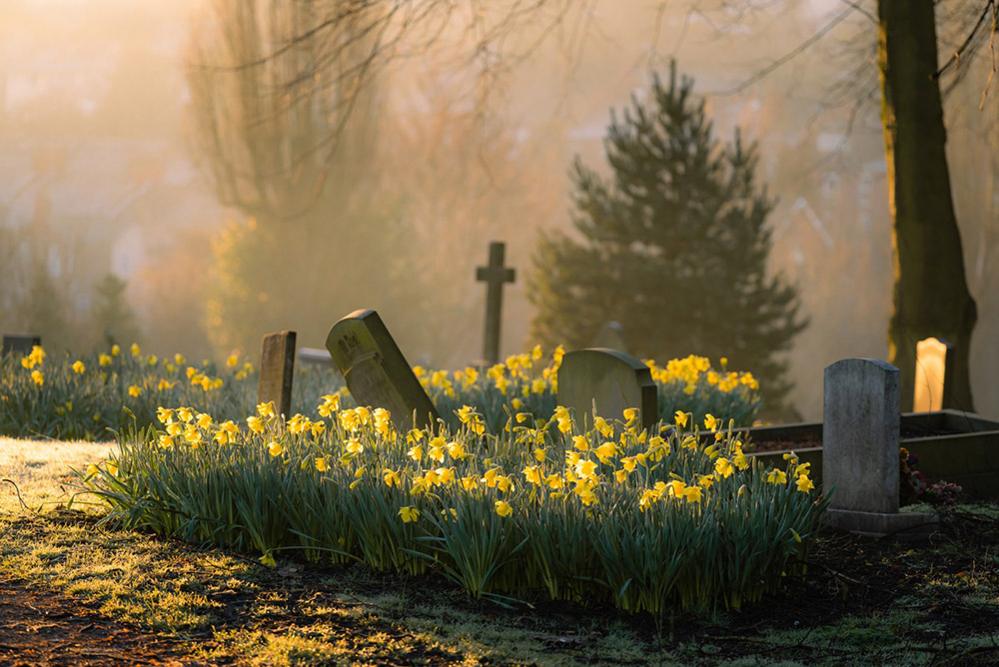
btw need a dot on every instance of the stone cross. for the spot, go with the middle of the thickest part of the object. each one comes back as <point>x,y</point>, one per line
<point>934,387</point>
<point>277,369</point>
<point>860,451</point>
<point>375,371</point>
<point>19,343</point>
<point>494,275</point>
<point>607,381</point>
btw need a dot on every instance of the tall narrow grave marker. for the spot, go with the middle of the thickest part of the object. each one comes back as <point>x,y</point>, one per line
<point>608,381</point>
<point>860,452</point>
<point>494,275</point>
<point>277,370</point>
<point>934,387</point>
<point>375,371</point>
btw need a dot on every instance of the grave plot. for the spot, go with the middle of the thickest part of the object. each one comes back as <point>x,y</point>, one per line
<point>943,445</point>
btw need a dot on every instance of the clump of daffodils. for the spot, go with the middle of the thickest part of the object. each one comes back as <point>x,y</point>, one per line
<point>674,516</point>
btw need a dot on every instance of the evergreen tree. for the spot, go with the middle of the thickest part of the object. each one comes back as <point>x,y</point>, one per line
<point>674,246</point>
<point>113,318</point>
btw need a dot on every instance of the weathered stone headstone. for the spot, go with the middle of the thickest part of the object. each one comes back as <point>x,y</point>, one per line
<point>611,336</point>
<point>277,370</point>
<point>608,381</point>
<point>934,389</point>
<point>860,451</point>
<point>375,371</point>
<point>19,344</point>
<point>494,275</point>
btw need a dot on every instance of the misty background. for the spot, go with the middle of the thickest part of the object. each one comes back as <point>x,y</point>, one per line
<point>106,167</point>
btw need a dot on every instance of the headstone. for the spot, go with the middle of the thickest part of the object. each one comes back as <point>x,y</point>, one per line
<point>277,369</point>
<point>19,344</point>
<point>314,355</point>
<point>611,335</point>
<point>494,275</point>
<point>375,371</point>
<point>608,381</point>
<point>934,389</point>
<point>860,451</point>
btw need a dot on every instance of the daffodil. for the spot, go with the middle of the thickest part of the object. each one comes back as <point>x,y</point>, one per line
<point>135,391</point>
<point>680,418</point>
<point>605,452</point>
<point>804,484</point>
<point>409,514</point>
<point>321,464</point>
<point>724,467</point>
<point>710,422</point>
<point>78,367</point>
<point>391,478</point>
<point>776,476</point>
<point>503,508</point>
<point>37,377</point>
<point>274,448</point>
<point>255,423</point>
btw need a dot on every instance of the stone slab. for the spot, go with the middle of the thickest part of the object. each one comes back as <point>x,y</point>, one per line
<point>882,524</point>
<point>19,344</point>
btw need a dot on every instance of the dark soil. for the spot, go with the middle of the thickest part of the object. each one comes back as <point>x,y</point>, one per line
<point>40,627</point>
<point>948,586</point>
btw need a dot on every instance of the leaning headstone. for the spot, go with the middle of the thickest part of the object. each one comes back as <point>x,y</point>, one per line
<point>277,369</point>
<point>375,371</point>
<point>860,451</point>
<point>19,344</point>
<point>611,336</point>
<point>934,388</point>
<point>607,381</point>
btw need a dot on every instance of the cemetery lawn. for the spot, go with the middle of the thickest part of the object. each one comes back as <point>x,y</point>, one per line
<point>72,592</point>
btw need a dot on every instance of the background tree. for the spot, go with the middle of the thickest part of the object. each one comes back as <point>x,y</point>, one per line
<point>290,138</point>
<point>931,296</point>
<point>674,246</point>
<point>112,318</point>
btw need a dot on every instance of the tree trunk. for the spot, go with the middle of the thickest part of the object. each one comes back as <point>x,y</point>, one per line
<point>931,296</point>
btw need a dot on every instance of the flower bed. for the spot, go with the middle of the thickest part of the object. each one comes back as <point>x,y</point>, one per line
<point>647,520</point>
<point>85,397</point>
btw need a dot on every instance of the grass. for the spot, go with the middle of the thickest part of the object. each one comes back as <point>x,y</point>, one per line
<point>863,601</point>
<point>41,469</point>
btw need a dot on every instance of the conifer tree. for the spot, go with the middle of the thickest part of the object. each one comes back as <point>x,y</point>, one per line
<point>673,245</point>
<point>113,319</point>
